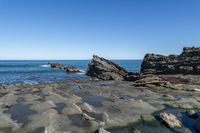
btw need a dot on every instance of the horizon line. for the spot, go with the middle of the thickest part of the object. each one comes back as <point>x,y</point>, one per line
<point>56,59</point>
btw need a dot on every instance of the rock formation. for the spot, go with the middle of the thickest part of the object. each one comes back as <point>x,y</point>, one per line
<point>107,70</point>
<point>65,68</point>
<point>52,108</point>
<point>56,65</point>
<point>171,120</point>
<point>192,113</point>
<point>71,69</point>
<point>188,62</point>
<point>132,76</point>
<point>150,80</point>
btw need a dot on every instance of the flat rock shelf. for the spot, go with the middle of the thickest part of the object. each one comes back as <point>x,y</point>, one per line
<point>89,106</point>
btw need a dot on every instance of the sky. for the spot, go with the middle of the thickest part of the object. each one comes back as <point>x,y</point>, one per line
<point>114,29</point>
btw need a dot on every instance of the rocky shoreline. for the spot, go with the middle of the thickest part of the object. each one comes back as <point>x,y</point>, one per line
<point>85,106</point>
<point>188,62</point>
<point>156,100</point>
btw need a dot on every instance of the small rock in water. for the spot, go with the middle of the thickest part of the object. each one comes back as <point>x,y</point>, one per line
<point>192,114</point>
<point>171,120</point>
<point>63,67</point>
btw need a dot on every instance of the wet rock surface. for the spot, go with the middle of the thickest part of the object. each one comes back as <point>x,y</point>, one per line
<point>104,106</point>
<point>150,80</point>
<point>192,113</point>
<point>171,120</point>
<point>188,62</point>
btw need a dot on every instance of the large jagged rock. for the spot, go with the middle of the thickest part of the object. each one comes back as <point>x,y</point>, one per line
<point>106,70</point>
<point>188,62</point>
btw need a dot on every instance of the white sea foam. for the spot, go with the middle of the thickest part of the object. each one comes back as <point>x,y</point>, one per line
<point>45,65</point>
<point>82,72</point>
<point>31,82</point>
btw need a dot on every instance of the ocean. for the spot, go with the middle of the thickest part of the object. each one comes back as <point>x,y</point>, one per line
<point>34,71</point>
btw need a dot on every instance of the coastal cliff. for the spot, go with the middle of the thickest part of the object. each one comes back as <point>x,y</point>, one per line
<point>188,62</point>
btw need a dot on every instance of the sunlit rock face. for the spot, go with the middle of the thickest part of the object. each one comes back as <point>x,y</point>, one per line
<point>188,62</point>
<point>107,70</point>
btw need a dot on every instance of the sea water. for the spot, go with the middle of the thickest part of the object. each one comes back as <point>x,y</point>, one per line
<point>33,71</point>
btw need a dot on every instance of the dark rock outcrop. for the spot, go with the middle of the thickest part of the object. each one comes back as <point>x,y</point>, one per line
<point>71,69</point>
<point>56,65</point>
<point>65,68</point>
<point>132,76</point>
<point>188,62</point>
<point>107,70</point>
<point>192,113</point>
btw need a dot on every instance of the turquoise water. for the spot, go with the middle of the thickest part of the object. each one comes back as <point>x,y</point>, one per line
<point>33,72</point>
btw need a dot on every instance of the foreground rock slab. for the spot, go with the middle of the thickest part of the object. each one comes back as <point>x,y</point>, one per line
<point>150,80</point>
<point>59,107</point>
<point>171,120</point>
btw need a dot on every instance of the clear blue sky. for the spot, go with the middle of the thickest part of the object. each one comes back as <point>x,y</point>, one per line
<point>115,29</point>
